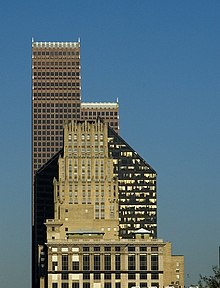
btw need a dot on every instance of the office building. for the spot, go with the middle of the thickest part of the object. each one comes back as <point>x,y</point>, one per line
<point>84,247</point>
<point>56,97</point>
<point>107,111</point>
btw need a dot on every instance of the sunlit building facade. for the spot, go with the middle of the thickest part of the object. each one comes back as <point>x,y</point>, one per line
<point>83,246</point>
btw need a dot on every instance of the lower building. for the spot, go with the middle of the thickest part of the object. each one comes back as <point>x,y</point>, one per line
<point>86,260</point>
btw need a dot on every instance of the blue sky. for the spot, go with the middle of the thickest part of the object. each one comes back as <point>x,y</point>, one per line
<point>162,60</point>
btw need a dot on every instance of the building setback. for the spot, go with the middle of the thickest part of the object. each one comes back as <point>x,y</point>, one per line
<point>89,242</point>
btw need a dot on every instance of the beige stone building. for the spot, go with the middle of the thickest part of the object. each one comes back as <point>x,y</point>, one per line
<point>84,249</point>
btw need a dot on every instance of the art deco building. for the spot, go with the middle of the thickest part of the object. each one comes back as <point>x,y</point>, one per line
<point>93,203</point>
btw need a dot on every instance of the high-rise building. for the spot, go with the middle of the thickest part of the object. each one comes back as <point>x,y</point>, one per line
<point>93,201</point>
<point>56,94</point>
<point>56,97</point>
<point>107,111</point>
<point>90,145</point>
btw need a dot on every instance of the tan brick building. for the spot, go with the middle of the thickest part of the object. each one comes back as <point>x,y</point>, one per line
<point>83,243</point>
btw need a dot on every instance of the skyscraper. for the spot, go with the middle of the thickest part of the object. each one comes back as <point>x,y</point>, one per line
<point>92,201</point>
<point>56,94</point>
<point>90,144</point>
<point>56,98</point>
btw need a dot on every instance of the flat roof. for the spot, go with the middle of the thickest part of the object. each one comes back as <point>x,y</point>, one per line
<point>104,105</point>
<point>55,44</point>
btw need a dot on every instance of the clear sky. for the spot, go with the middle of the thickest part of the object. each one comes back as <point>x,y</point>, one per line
<point>162,60</point>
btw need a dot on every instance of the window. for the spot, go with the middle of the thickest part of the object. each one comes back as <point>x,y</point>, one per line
<point>86,276</point>
<point>107,285</point>
<point>143,276</point>
<point>96,262</point>
<point>131,276</point>
<point>117,276</point>
<point>86,262</point>
<point>86,285</point>
<point>107,261</point>
<point>117,285</point>
<point>154,262</point>
<point>85,248</point>
<point>155,276</point>
<point>75,265</point>
<point>131,262</point>
<point>117,262</point>
<point>97,248</point>
<point>75,285</point>
<point>97,276</point>
<point>64,285</point>
<point>131,248</point>
<point>107,276</point>
<point>64,262</point>
<point>64,276</point>
<point>143,262</point>
<point>107,248</point>
<point>54,285</point>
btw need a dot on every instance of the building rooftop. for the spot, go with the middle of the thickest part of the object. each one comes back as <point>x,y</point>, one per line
<point>103,105</point>
<point>55,44</point>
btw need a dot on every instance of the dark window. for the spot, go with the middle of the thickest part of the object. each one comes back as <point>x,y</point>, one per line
<point>131,248</point>
<point>107,285</point>
<point>154,262</point>
<point>131,276</point>
<point>86,276</point>
<point>97,262</point>
<point>86,260</point>
<point>143,248</point>
<point>97,248</point>
<point>117,262</point>
<point>143,285</point>
<point>64,276</point>
<point>131,262</point>
<point>85,248</point>
<point>107,276</point>
<point>54,285</point>
<point>143,262</point>
<point>97,276</point>
<point>143,276</point>
<point>64,262</point>
<point>117,285</point>
<point>86,285</point>
<point>107,248</point>
<point>75,265</point>
<point>117,276</point>
<point>155,276</point>
<point>107,261</point>
<point>64,285</point>
<point>75,285</point>
<point>117,248</point>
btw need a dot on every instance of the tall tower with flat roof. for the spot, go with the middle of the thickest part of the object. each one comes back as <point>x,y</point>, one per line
<point>56,94</point>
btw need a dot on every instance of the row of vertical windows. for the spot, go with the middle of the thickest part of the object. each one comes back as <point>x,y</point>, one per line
<point>107,262</point>
<point>55,53</point>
